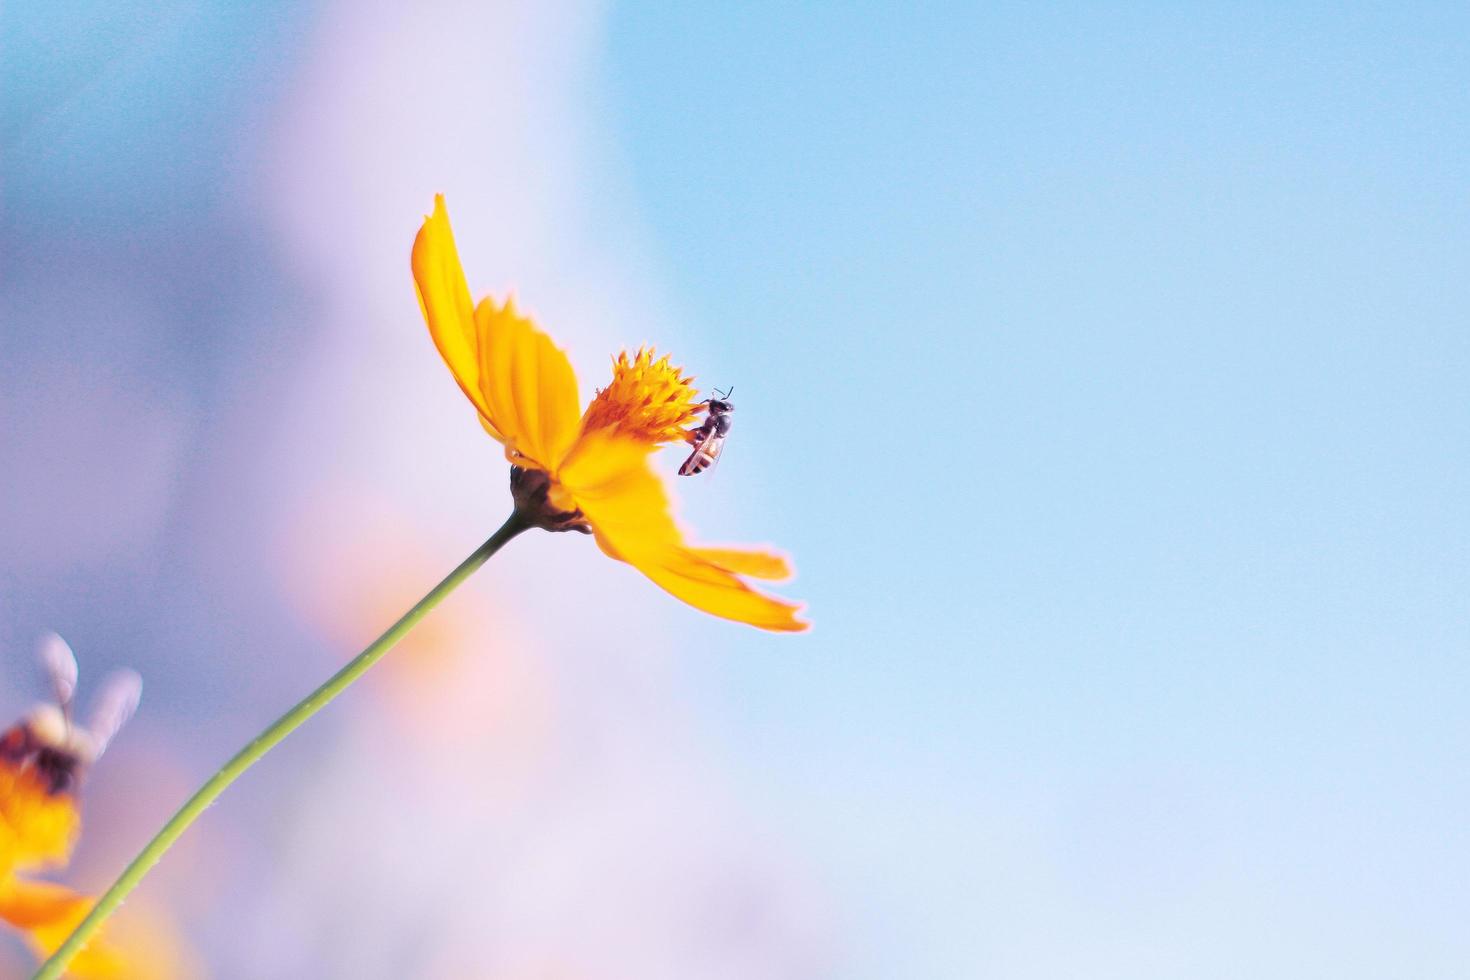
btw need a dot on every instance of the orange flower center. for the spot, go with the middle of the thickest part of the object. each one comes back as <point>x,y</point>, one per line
<point>37,827</point>
<point>649,401</point>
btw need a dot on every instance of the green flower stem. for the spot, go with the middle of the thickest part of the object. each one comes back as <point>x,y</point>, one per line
<point>263,743</point>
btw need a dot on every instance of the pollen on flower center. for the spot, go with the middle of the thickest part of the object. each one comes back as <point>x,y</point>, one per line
<point>648,400</point>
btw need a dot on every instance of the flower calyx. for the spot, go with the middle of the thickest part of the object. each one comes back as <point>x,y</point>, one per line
<point>531,488</point>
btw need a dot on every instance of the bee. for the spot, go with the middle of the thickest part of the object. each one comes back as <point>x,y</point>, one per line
<point>709,438</point>
<point>49,741</point>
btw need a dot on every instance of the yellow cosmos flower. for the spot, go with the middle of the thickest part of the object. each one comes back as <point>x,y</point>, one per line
<point>38,828</point>
<point>589,471</point>
<point>42,760</point>
<point>39,823</point>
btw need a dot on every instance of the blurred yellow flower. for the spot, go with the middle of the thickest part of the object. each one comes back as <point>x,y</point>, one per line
<point>42,760</point>
<point>38,822</point>
<point>586,470</point>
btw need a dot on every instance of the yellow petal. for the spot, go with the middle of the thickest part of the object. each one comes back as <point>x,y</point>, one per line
<point>139,942</point>
<point>520,383</point>
<point>757,564</point>
<point>47,913</point>
<point>609,474</point>
<point>29,904</point>
<point>444,298</point>
<point>528,386</point>
<point>718,592</point>
<point>628,508</point>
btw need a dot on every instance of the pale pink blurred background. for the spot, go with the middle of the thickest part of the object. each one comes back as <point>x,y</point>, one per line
<point>233,457</point>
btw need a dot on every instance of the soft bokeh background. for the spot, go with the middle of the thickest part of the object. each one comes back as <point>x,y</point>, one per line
<point>1104,370</point>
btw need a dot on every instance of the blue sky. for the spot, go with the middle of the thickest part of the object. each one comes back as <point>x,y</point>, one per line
<point>1111,368</point>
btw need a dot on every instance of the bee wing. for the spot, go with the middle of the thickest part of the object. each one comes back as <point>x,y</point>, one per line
<point>60,665</point>
<point>708,446</point>
<point>715,449</point>
<point>700,443</point>
<point>114,706</point>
